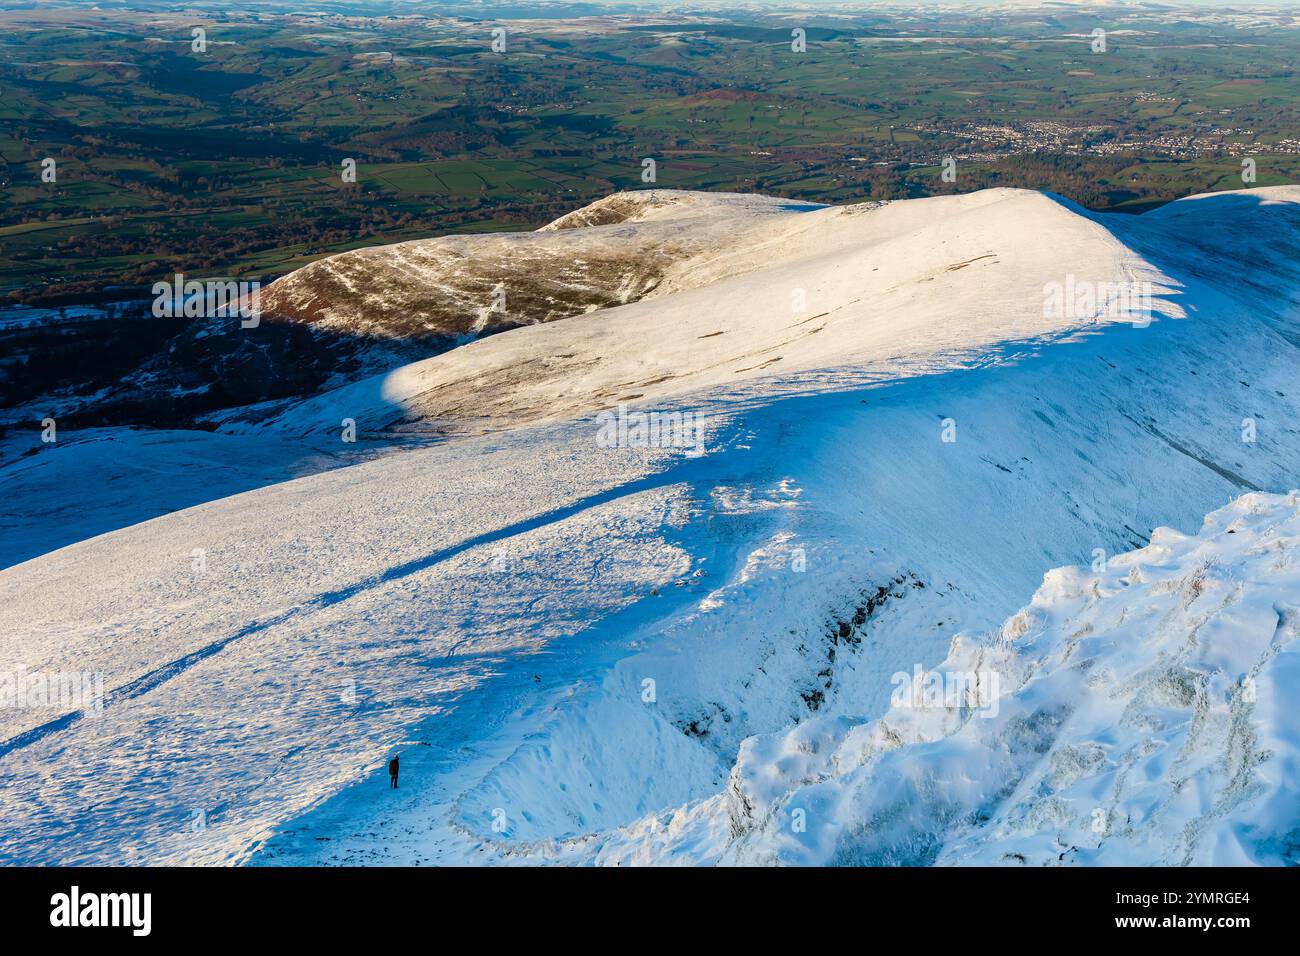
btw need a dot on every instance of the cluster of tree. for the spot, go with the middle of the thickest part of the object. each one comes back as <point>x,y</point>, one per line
<point>1090,181</point>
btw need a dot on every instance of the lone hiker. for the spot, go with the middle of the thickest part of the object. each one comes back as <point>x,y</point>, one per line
<point>392,773</point>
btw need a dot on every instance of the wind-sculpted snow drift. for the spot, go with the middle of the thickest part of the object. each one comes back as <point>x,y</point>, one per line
<point>1141,713</point>
<point>603,652</point>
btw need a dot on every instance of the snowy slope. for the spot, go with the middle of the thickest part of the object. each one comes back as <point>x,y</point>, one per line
<point>324,620</point>
<point>466,285</point>
<point>97,480</point>
<point>1138,713</point>
<point>857,294</point>
<point>494,605</point>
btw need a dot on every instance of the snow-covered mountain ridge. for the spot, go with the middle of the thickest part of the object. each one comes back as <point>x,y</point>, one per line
<point>788,295</point>
<point>1140,713</point>
<point>494,605</point>
<point>468,285</point>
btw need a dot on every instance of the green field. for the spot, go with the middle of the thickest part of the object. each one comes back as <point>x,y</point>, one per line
<point>230,160</point>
